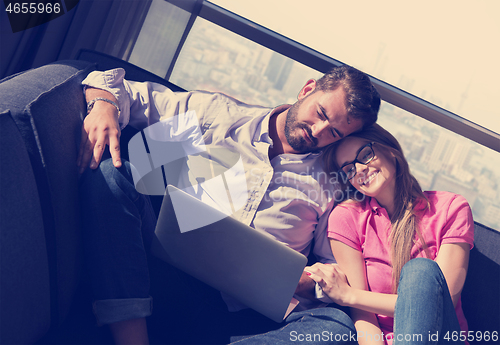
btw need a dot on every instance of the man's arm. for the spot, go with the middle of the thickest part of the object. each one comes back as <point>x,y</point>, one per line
<point>306,287</point>
<point>100,128</point>
<point>140,105</point>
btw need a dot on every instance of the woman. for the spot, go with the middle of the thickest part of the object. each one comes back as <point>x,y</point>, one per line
<point>385,223</point>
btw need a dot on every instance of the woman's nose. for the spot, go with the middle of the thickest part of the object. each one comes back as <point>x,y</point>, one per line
<point>360,167</point>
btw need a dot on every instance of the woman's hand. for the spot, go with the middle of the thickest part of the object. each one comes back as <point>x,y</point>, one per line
<point>332,280</point>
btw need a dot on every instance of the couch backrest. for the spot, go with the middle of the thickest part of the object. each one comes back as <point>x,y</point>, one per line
<point>43,109</point>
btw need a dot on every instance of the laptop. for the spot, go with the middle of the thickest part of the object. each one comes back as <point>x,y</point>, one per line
<point>248,265</point>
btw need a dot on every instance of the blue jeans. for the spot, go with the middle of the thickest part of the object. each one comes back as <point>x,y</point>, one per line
<point>424,314</point>
<point>424,311</point>
<point>115,246</point>
<point>315,326</point>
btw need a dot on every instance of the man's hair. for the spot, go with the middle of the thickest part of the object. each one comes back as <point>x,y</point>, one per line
<point>362,99</point>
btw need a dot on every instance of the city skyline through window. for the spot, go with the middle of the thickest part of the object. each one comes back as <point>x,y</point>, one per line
<point>445,52</point>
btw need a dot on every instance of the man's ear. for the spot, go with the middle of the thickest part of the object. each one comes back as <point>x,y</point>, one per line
<point>307,89</point>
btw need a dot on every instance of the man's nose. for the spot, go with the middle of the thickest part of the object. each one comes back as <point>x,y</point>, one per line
<point>319,127</point>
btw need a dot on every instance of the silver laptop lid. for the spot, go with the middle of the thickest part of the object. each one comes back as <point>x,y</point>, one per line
<point>228,255</point>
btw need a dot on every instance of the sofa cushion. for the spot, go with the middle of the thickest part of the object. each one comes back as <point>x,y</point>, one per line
<point>47,105</point>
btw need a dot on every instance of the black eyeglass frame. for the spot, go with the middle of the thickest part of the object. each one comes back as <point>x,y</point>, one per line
<point>343,173</point>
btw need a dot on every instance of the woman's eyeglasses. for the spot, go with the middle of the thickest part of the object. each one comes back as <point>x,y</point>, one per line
<point>364,156</point>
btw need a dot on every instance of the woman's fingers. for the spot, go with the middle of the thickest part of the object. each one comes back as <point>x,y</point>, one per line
<point>331,279</point>
<point>320,272</point>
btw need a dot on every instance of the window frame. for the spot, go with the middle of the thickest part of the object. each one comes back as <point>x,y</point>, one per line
<point>322,63</point>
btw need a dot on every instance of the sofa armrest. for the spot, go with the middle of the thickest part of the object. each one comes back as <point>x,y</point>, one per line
<point>46,107</point>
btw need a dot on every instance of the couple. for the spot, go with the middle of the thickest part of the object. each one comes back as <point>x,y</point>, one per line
<point>284,141</point>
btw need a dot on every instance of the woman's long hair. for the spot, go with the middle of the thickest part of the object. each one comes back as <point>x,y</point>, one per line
<point>408,195</point>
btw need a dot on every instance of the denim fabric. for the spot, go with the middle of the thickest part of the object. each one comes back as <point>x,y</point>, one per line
<point>114,310</point>
<point>115,247</point>
<point>424,310</point>
<point>315,326</point>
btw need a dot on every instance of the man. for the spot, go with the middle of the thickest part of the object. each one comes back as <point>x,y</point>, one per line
<point>289,197</point>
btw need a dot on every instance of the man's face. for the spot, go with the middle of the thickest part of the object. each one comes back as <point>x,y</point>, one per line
<point>318,119</point>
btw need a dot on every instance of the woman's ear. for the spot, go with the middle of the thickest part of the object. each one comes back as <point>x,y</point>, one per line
<point>307,89</point>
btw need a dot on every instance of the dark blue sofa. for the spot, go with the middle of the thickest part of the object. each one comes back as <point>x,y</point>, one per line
<point>43,291</point>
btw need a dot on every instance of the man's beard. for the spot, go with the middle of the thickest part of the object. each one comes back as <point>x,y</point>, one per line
<point>293,131</point>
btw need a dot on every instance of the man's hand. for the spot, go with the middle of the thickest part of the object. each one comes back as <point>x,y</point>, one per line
<point>305,287</point>
<point>100,128</point>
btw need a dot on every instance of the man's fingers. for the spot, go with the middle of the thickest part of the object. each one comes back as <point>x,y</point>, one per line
<point>98,151</point>
<point>114,149</point>
<point>100,128</point>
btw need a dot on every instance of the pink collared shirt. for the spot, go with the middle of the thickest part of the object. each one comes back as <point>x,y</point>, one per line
<point>365,226</point>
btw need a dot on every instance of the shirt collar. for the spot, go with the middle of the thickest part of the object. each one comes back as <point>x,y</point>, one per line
<point>374,205</point>
<point>299,156</point>
<point>263,133</point>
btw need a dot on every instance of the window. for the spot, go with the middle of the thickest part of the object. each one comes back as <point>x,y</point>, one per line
<point>443,160</point>
<point>216,59</point>
<point>159,37</point>
<point>423,47</point>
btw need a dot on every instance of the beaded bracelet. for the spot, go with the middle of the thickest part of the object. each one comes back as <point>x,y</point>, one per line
<point>90,104</point>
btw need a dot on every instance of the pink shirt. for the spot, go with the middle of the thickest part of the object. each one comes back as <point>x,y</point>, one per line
<point>366,227</point>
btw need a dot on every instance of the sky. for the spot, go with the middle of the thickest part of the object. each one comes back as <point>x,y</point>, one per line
<point>446,52</point>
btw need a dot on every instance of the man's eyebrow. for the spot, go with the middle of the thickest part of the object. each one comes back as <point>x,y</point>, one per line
<point>323,111</point>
